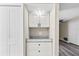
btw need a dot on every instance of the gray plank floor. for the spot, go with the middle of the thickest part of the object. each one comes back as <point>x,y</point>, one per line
<point>68,49</point>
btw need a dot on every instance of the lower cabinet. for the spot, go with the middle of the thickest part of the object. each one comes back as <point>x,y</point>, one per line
<point>39,49</point>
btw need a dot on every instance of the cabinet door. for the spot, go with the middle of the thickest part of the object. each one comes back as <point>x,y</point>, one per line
<point>16,31</point>
<point>45,49</point>
<point>39,49</point>
<point>33,20</point>
<point>32,49</point>
<point>4,31</point>
<point>44,21</point>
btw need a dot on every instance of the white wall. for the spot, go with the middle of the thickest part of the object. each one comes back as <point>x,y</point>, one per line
<point>26,31</point>
<point>63,30</point>
<point>68,14</point>
<point>73,26</point>
<point>70,29</point>
<point>26,23</point>
<point>54,29</point>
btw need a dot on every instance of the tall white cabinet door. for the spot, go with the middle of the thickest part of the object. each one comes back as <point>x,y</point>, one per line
<point>4,31</point>
<point>16,31</point>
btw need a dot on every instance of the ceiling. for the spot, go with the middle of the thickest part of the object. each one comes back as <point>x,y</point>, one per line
<point>64,6</point>
<point>68,11</point>
<point>43,7</point>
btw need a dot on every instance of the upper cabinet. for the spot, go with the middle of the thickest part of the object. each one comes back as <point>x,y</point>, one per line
<point>33,21</point>
<point>38,21</point>
<point>44,20</point>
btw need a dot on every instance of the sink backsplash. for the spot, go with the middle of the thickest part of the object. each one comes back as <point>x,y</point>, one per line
<point>39,33</point>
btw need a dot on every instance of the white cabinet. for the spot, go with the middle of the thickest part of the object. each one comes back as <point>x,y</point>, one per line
<point>11,31</point>
<point>45,49</point>
<point>16,31</point>
<point>34,20</point>
<point>44,20</point>
<point>39,49</point>
<point>32,49</point>
<point>4,31</point>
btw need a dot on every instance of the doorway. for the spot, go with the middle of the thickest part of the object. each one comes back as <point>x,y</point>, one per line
<point>69,29</point>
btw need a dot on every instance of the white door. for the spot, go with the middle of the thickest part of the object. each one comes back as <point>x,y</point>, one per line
<point>16,31</point>
<point>4,31</point>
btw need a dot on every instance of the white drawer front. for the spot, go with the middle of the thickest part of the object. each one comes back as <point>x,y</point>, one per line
<point>39,49</point>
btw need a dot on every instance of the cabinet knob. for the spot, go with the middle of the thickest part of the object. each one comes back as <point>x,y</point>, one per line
<point>38,44</point>
<point>39,24</point>
<point>38,50</point>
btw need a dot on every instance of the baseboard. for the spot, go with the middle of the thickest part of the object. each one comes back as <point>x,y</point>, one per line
<point>65,41</point>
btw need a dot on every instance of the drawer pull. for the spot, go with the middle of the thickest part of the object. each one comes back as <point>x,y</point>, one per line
<point>38,44</point>
<point>38,50</point>
<point>39,24</point>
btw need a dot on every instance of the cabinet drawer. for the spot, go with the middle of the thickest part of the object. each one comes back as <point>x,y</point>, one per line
<point>45,49</point>
<point>39,49</point>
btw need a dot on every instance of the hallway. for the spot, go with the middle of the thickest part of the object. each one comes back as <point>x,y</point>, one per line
<point>68,49</point>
